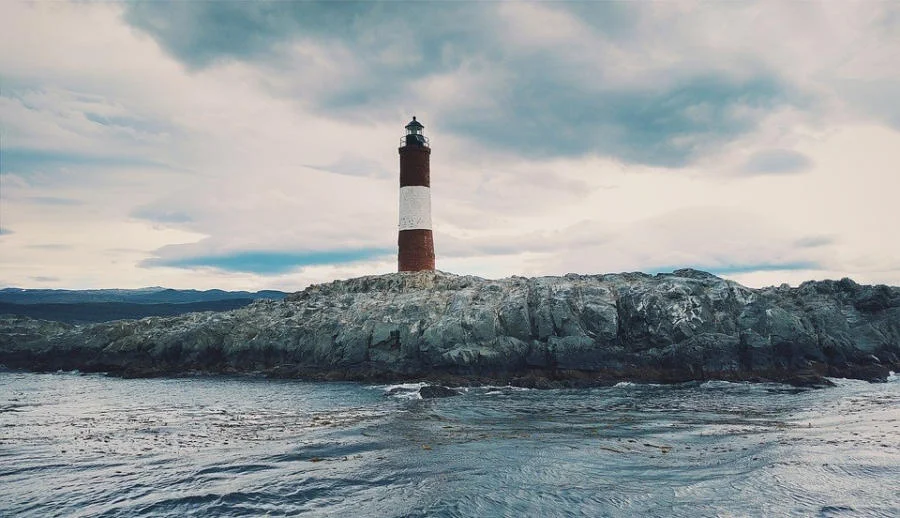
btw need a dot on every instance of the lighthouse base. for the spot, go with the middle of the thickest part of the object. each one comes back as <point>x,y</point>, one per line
<point>416,250</point>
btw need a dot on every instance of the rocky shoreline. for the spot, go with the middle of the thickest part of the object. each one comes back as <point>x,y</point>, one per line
<point>576,330</point>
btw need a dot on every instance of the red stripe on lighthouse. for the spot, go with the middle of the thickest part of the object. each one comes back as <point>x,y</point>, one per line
<point>416,251</point>
<point>415,165</point>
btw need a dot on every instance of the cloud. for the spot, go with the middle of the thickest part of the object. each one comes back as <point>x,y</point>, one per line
<point>201,33</point>
<point>580,235</point>
<point>52,200</point>
<point>540,101</point>
<point>51,246</point>
<point>44,278</point>
<point>158,215</point>
<point>720,240</point>
<point>776,161</point>
<point>547,116</point>
<point>270,262</point>
<point>52,126</point>
<point>815,241</point>
<point>24,161</point>
<point>650,84</point>
<point>355,165</point>
<point>129,123</point>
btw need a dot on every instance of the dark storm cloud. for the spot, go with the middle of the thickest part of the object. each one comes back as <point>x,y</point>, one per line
<point>546,106</point>
<point>776,161</point>
<point>545,115</point>
<point>201,33</point>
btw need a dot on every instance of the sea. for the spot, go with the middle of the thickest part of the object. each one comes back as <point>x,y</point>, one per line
<point>91,445</point>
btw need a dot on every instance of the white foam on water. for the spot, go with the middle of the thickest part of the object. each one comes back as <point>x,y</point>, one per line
<point>631,384</point>
<point>503,387</point>
<point>714,384</point>
<point>406,386</point>
<point>411,395</point>
<point>407,391</point>
<point>401,386</point>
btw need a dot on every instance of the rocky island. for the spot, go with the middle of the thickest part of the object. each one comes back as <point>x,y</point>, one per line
<point>575,330</point>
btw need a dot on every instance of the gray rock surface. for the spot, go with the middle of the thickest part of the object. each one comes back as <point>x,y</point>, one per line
<point>581,329</point>
<point>436,391</point>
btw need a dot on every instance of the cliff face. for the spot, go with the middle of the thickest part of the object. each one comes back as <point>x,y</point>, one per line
<point>668,327</point>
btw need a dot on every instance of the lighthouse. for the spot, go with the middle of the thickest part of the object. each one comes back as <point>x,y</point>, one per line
<point>415,242</point>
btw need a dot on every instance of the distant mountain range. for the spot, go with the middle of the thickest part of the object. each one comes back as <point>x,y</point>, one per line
<point>88,306</point>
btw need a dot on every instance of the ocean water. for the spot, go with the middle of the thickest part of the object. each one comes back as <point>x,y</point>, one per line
<point>74,445</point>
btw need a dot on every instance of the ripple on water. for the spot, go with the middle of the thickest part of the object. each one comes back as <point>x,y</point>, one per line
<point>98,446</point>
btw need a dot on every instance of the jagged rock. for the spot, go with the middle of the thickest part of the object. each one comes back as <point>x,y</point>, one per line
<point>807,379</point>
<point>577,329</point>
<point>436,391</point>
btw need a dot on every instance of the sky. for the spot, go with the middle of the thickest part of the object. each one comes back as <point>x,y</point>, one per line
<point>249,145</point>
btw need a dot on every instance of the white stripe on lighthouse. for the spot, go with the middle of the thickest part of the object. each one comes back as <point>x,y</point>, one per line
<point>415,208</point>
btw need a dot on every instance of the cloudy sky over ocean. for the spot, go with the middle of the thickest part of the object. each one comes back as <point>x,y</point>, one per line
<point>244,145</point>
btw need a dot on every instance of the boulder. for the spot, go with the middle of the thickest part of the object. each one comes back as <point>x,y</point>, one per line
<point>436,391</point>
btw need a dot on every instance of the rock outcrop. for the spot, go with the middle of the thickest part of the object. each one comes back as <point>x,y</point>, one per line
<point>545,331</point>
